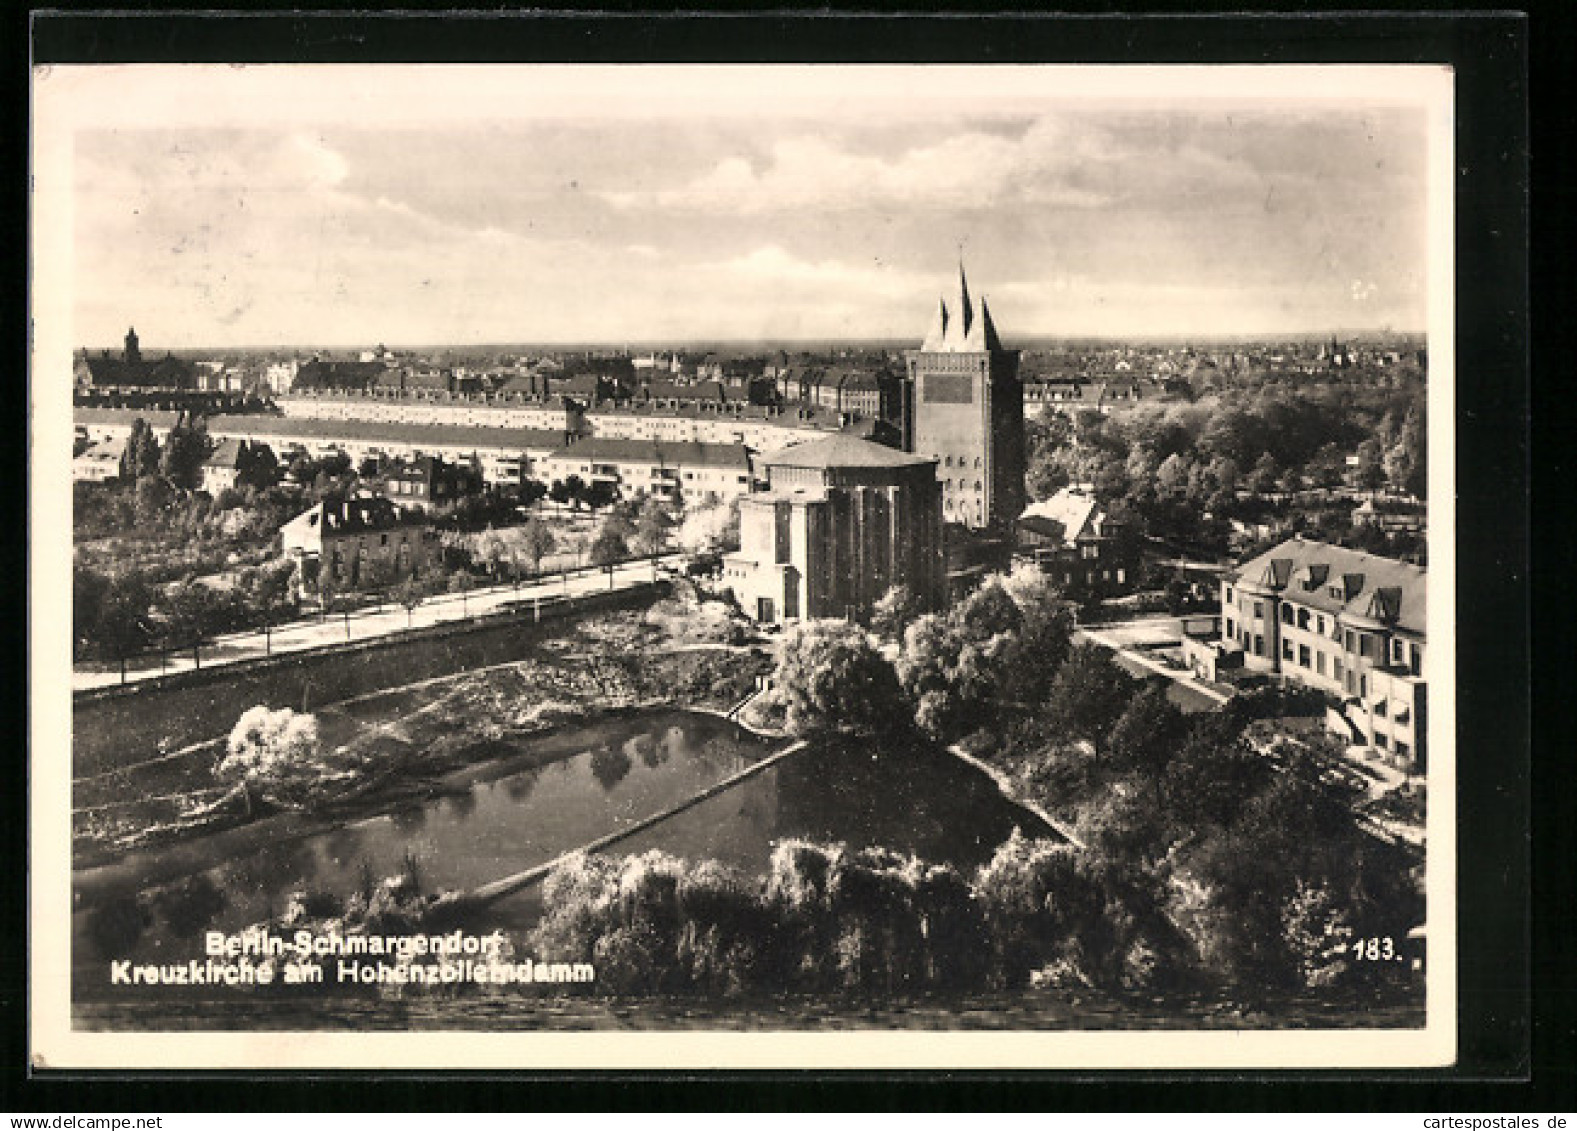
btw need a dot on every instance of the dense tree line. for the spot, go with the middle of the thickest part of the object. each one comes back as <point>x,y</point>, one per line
<point>827,919</point>
<point>118,614</point>
<point>1248,866</point>
<point>1165,464</point>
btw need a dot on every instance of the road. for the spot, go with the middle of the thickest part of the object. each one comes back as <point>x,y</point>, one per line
<point>1130,639</point>
<point>375,621</point>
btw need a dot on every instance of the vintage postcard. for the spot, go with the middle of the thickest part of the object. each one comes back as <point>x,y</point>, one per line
<point>738,566</point>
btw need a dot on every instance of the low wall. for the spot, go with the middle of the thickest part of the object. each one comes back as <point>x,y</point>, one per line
<point>122,725</point>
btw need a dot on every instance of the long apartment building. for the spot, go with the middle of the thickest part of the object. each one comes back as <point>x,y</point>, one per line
<point>102,425</point>
<point>698,474</point>
<point>761,427</point>
<point>506,455</point>
<point>1348,623</point>
<point>553,414</point>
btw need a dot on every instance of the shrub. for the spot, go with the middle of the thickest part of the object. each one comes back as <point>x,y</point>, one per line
<point>1317,935</point>
<point>275,756</point>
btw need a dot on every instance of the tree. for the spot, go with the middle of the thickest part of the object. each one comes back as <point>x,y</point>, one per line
<point>190,612</point>
<point>1406,461</point>
<point>1089,693</point>
<point>1149,732</point>
<point>574,490</point>
<point>267,594</point>
<point>988,658</point>
<point>1141,466</point>
<point>493,553</point>
<point>111,614</point>
<point>1225,474</point>
<point>652,526</point>
<point>1263,478</point>
<point>708,531</point>
<point>1370,474</point>
<point>1044,637</point>
<point>185,449</point>
<point>274,756</point>
<point>461,582</point>
<point>832,677</point>
<point>537,542</point>
<point>928,673</point>
<point>142,452</point>
<point>1172,478</point>
<point>154,496</point>
<point>894,611</point>
<point>410,594</point>
<point>611,546</point>
<point>529,491</point>
<point>1234,433</point>
<point>598,494</point>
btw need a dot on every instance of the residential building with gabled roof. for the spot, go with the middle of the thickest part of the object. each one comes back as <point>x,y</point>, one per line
<point>363,541</point>
<point>694,472</point>
<point>100,461</point>
<point>1075,542</point>
<point>1346,622</point>
<point>225,465</point>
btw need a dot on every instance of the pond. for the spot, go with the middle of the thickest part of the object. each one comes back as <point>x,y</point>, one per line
<point>526,803</point>
<point>531,802</point>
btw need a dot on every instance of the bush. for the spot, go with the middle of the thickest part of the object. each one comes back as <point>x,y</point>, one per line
<point>277,757</point>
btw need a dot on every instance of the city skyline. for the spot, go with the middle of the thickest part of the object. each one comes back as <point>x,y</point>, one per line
<point>348,206</point>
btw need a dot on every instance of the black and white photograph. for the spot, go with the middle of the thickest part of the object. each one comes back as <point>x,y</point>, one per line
<point>742,566</point>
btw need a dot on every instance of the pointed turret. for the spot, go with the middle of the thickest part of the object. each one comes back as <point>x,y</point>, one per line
<point>936,339</point>
<point>987,331</point>
<point>964,312</point>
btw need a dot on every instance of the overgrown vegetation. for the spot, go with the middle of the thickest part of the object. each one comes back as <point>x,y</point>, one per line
<point>1243,452</point>
<point>1258,862</point>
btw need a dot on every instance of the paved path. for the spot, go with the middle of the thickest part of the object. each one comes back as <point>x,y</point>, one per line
<point>1191,694</point>
<point>376,621</point>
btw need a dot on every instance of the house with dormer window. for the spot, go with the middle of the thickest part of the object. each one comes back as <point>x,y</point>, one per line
<point>1345,622</point>
<point>361,542</point>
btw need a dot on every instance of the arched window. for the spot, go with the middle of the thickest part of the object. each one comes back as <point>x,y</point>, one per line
<point>1286,614</point>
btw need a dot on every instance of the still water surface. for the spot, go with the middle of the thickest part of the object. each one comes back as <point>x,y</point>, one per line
<point>534,802</point>
<point>551,794</point>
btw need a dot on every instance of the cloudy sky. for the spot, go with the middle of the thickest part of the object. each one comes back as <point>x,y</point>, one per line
<point>349,206</point>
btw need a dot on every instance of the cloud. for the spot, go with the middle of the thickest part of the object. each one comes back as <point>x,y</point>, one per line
<point>311,161</point>
<point>967,169</point>
<point>773,265</point>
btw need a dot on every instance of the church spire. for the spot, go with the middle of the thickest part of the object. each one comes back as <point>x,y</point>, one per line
<point>965,316</point>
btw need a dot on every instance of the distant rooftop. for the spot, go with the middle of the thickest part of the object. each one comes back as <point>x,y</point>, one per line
<point>1340,580</point>
<point>379,431</point>
<point>841,451</point>
<point>662,452</point>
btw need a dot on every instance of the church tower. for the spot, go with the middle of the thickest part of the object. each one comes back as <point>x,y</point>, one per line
<point>133,353</point>
<point>965,409</point>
